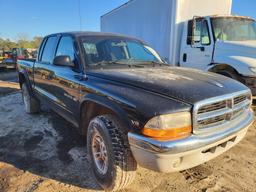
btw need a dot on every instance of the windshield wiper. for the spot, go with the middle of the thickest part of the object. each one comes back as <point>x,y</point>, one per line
<point>153,63</point>
<point>103,63</point>
<point>116,62</point>
<point>129,62</point>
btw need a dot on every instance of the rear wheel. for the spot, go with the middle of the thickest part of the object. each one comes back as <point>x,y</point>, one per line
<point>111,159</point>
<point>30,103</point>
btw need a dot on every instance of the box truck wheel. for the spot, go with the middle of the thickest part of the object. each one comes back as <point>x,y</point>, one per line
<point>109,153</point>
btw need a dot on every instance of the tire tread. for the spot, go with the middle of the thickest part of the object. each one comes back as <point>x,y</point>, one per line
<point>125,165</point>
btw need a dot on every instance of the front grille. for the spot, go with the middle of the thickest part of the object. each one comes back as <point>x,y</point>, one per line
<point>212,107</point>
<point>211,121</point>
<point>240,99</point>
<point>216,112</point>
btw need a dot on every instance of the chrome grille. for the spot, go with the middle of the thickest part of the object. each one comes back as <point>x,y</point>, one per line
<point>212,107</point>
<point>216,112</point>
<point>240,99</point>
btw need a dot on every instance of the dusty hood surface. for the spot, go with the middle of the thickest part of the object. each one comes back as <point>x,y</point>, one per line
<point>186,85</point>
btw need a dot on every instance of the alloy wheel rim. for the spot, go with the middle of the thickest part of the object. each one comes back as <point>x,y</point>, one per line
<point>99,152</point>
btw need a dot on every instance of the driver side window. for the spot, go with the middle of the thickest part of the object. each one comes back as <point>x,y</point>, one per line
<point>66,47</point>
<point>201,32</point>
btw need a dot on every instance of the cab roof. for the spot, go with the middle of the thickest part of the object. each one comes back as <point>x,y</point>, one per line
<point>234,16</point>
<point>93,34</point>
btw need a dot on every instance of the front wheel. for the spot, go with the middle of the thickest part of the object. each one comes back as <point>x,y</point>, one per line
<point>111,159</point>
<point>31,104</point>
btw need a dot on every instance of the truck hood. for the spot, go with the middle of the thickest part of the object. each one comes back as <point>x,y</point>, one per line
<point>186,85</point>
<point>244,48</point>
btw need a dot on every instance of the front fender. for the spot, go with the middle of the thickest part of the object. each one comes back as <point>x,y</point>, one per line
<point>121,110</point>
<point>241,64</point>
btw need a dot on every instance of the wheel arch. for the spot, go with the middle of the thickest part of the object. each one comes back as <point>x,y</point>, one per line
<point>217,67</point>
<point>94,105</point>
<point>23,78</point>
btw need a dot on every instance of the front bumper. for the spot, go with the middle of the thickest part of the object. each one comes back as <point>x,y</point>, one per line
<point>172,156</point>
<point>251,83</point>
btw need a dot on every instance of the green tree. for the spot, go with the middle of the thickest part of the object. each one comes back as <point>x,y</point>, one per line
<point>36,41</point>
<point>7,44</point>
<point>22,42</point>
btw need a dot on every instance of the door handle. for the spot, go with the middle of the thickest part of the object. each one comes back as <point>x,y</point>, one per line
<point>184,57</point>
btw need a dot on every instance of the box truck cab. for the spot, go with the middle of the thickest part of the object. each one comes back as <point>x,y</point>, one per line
<point>199,34</point>
<point>221,44</point>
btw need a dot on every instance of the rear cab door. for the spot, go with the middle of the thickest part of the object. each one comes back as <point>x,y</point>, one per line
<point>42,67</point>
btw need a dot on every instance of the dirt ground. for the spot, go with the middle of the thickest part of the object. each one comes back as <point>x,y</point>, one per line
<point>44,153</point>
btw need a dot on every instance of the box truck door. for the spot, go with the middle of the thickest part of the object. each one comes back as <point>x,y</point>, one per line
<point>197,45</point>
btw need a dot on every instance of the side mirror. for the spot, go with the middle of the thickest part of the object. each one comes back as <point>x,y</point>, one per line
<point>63,60</point>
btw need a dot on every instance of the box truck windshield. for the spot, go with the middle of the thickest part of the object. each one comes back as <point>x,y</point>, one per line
<point>234,29</point>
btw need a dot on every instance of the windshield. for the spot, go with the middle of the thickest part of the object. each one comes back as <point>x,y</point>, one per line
<point>106,50</point>
<point>234,29</point>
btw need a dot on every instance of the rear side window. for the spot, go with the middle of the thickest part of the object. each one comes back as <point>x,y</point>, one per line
<point>66,47</point>
<point>49,50</point>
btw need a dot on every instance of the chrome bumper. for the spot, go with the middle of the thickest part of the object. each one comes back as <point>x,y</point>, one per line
<point>172,156</point>
<point>189,143</point>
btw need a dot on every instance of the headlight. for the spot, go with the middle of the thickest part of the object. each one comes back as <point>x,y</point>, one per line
<point>253,69</point>
<point>168,127</point>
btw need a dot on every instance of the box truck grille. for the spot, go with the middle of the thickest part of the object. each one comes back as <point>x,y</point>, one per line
<point>216,112</point>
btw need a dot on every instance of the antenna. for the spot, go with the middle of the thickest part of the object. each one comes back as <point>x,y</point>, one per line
<point>79,14</point>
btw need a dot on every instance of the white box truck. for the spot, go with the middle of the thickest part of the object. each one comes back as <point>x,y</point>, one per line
<point>199,34</point>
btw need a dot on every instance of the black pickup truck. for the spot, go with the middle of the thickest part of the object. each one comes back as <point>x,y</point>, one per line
<point>132,107</point>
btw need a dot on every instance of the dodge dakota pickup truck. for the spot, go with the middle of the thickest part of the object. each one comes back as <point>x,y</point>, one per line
<point>132,107</point>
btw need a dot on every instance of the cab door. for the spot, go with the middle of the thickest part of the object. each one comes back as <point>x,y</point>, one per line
<point>59,85</point>
<point>197,45</point>
<point>66,81</point>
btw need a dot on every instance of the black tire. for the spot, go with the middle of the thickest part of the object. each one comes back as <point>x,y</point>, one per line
<point>31,104</point>
<point>121,166</point>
